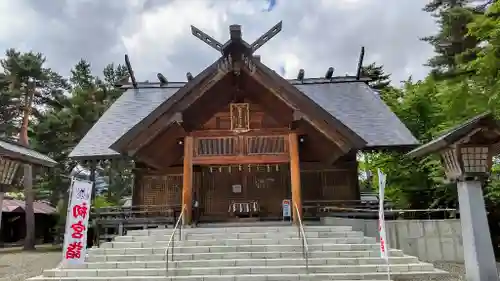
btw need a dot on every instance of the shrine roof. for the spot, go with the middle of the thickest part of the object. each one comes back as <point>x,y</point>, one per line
<point>15,151</point>
<point>349,100</point>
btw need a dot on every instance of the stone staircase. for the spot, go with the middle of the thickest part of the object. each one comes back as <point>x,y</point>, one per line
<point>243,254</point>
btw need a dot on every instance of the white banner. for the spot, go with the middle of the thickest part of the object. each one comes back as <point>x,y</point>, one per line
<point>381,217</point>
<point>77,221</point>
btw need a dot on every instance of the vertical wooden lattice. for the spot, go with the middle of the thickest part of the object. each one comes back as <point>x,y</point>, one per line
<point>216,146</point>
<point>266,145</point>
<point>161,190</point>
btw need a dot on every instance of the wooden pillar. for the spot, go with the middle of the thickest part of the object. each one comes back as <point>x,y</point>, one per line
<point>295,176</point>
<point>187,179</point>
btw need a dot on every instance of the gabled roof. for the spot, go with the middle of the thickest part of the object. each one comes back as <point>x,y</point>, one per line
<point>16,151</point>
<point>350,101</point>
<point>18,206</point>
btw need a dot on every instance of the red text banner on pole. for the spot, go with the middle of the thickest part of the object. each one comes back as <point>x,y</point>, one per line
<point>77,222</point>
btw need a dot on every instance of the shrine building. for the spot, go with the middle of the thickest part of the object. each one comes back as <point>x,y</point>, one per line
<point>239,138</point>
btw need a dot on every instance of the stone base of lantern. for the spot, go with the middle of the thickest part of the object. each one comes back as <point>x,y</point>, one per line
<point>478,250</point>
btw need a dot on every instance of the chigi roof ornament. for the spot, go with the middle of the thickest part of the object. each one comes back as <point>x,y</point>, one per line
<point>236,52</point>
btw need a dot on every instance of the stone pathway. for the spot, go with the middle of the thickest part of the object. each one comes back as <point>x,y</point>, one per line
<point>16,265</point>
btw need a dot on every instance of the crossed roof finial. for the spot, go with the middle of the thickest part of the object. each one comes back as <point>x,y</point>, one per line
<point>235,37</point>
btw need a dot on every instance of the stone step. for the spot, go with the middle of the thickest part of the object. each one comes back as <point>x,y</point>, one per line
<point>243,262</point>
<point>257,277</point>
<point>414,275</point>
<point>232,249</point>
<point>239,242</point>
<point>238,270</point>
<point>239,255</point>
<point>257,229</point>
<point>255,235</point>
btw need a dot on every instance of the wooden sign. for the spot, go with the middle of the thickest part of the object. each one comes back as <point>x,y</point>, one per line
<point>240,117</point>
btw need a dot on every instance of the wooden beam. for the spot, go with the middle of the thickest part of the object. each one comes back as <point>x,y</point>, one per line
<point>320,127</point>
<point>148,161</point>
<point>254,132</point>
<point>187,180</point>
<point>266,36</point>
<point>295,176</point>
<point>156,120</point>
<point>241,159</point>
<point>158,126</point>
<point>207,39</point>
<point>323,120</point>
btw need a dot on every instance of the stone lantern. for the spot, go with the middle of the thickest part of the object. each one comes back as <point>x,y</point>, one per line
<point>466,153</point>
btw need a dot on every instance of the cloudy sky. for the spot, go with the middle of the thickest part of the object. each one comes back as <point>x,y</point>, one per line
<point>156,33</point>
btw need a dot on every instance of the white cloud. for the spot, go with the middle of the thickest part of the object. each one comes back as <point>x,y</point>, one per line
<point>156,33</point>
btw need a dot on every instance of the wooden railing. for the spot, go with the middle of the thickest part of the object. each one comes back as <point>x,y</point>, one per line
<point>240,145</point>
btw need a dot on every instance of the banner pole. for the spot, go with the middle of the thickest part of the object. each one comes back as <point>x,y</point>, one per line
<point>381,220</point>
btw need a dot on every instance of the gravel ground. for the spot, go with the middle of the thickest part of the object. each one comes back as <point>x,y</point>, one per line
<point>456,270</point>
<point>16,265</point>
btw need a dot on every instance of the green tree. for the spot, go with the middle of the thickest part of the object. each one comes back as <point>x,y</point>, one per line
<point>31,87</point>
<point>452,44</point>
<point>380,80</point>
<point>60,129</point>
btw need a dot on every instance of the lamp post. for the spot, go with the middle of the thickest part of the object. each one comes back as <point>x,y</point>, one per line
<point>466,153</point>
<point>8,170</point>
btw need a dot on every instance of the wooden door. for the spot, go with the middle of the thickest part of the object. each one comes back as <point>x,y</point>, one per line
<point>269,186</point>
<point>216,190</point>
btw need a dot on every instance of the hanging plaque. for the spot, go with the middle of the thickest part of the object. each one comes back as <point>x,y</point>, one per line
<point>240,117</point>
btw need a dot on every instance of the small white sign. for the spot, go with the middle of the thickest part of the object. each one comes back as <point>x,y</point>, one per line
<point>77,222</point>
<point>236,188</point>
<point>287,211</point>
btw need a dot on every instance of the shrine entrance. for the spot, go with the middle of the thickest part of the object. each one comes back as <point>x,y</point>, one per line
<point>236,192</point>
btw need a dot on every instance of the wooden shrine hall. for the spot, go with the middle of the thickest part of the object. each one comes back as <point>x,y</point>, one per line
<point>239,138</point>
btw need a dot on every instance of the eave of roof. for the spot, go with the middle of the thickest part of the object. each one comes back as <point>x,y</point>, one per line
<point>15,151</point>
<point>452,135</point>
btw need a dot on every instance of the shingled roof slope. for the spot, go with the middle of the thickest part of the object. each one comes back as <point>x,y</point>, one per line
<point>353,103</point>
<point>356,105</point>
<point>128,110</point>
<point>19,152</point>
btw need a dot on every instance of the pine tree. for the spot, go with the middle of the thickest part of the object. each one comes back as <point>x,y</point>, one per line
<point>452,44</point>
<point>30,87</point>
<point>380,80</point>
